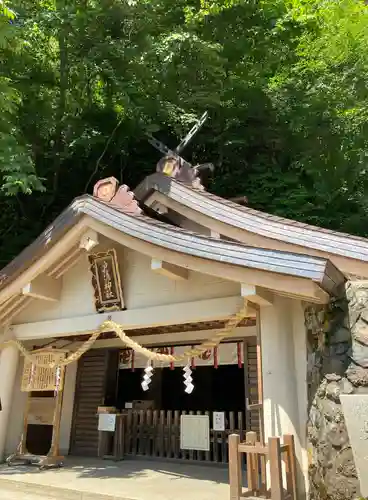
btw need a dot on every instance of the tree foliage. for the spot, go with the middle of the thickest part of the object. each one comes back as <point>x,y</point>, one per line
<point>285,84</point>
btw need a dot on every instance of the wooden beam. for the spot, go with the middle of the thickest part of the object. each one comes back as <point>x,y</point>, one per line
<point>164,339</point>
<point>8,303</point>
<point>44,263</point>
<point>89,240</point>
<point>302,288</point>
<point>345,264</point>
<point>256,294</point>
<point>8,316</point>
<point>43,287</point>
<point>169,270</point>
<point>179,313</point>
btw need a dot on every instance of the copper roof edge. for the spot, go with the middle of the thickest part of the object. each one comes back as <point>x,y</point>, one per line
<point>233,214</point>
<point>170,237</point>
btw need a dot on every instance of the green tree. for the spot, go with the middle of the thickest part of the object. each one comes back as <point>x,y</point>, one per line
<point>284,83</point>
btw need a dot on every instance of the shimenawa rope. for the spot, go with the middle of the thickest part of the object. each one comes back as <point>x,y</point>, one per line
<point>111,326</point>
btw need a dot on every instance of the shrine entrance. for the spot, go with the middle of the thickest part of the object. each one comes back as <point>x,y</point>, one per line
<point>225,383</point>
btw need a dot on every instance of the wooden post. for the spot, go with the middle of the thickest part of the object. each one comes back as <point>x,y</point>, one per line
<point>235,473</point>
<point>277,492</point>
<point>290,464</point>
<point>22,449</point>
<point>252,463</point>
<point>246,384</point>
<point>260,376</point>
<point>263,487</point>
<point>54,449</point>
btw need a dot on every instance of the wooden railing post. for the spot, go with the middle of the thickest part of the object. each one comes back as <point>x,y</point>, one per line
<point>235,473</point>
<point>290,465</point>
<point>252,463</point>
<point>277,492</point>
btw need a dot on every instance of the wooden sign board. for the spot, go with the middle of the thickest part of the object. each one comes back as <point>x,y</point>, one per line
<point>355,408</point>
<point>41,411</point>
<point>42,378</point>
<point>195,432</point>
<point>106,281</point>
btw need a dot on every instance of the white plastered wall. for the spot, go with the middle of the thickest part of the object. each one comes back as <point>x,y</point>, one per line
<point>15,426</point>
<point>141,288</point>
<point>284,367</point>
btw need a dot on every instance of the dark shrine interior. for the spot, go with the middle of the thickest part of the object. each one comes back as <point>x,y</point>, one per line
<point>215,389</point>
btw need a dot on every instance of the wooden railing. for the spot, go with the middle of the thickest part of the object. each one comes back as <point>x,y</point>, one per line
<point>156,433</point>
<point>257,456</point>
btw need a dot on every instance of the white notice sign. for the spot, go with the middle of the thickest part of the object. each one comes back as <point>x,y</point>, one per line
<point>218,421</point>
<point>106,422</point>
<point>195,432</point>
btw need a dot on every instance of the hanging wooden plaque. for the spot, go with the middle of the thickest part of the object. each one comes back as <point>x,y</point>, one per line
<point>42,378</point>
<point>106,281</point>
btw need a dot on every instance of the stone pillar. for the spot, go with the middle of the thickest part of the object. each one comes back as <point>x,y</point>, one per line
<point>8,368</point>
<point>284,359</point>
<point>338,364</point>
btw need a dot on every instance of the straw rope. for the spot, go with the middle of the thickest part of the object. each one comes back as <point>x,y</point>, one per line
<point>111,326</point>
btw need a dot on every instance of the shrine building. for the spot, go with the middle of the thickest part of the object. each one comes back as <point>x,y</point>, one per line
<point>217,291</point>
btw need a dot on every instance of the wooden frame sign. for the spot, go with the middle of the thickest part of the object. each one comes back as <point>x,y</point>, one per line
<point>106,281</point>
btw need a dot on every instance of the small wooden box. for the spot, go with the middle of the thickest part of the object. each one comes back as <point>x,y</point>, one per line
<point>106,409</point>
<point>143,405</point>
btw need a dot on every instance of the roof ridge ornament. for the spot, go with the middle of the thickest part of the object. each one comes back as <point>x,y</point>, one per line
<point>109,191</point>
<point>173,165</point>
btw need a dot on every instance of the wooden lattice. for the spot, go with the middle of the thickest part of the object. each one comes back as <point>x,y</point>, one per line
<point>42,378</point>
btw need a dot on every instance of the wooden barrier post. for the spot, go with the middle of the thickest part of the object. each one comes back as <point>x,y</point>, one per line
<point>290,464</point>
<point>274,447</point>
<point>252,463</point>
<point>235,473</point>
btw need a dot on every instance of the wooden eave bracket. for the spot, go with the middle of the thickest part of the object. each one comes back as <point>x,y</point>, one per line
<point>89,240</point>
<point>169,270</point>
<point>43,287</point>
<point>256,294</point>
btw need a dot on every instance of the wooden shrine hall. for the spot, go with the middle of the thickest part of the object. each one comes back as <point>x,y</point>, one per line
<point>167,315</point>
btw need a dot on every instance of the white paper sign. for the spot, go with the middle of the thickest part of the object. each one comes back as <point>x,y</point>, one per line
<point>106,422</point>
<point>195,432</point>
<point>128,406</point>
<point>218,421</point>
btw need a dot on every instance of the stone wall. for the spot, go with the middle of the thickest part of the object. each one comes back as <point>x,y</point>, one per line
<point>337,364</point>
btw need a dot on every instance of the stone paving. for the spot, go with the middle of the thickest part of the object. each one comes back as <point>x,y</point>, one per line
<point>92,479</point>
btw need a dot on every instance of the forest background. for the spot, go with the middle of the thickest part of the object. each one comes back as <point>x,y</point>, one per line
<point>285,83</point>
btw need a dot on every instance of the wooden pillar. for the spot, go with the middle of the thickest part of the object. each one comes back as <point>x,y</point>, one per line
<point>235,473</point>
<point>9,358</point>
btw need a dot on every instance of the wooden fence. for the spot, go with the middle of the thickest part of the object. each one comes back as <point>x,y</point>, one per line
<point>156,433</point>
